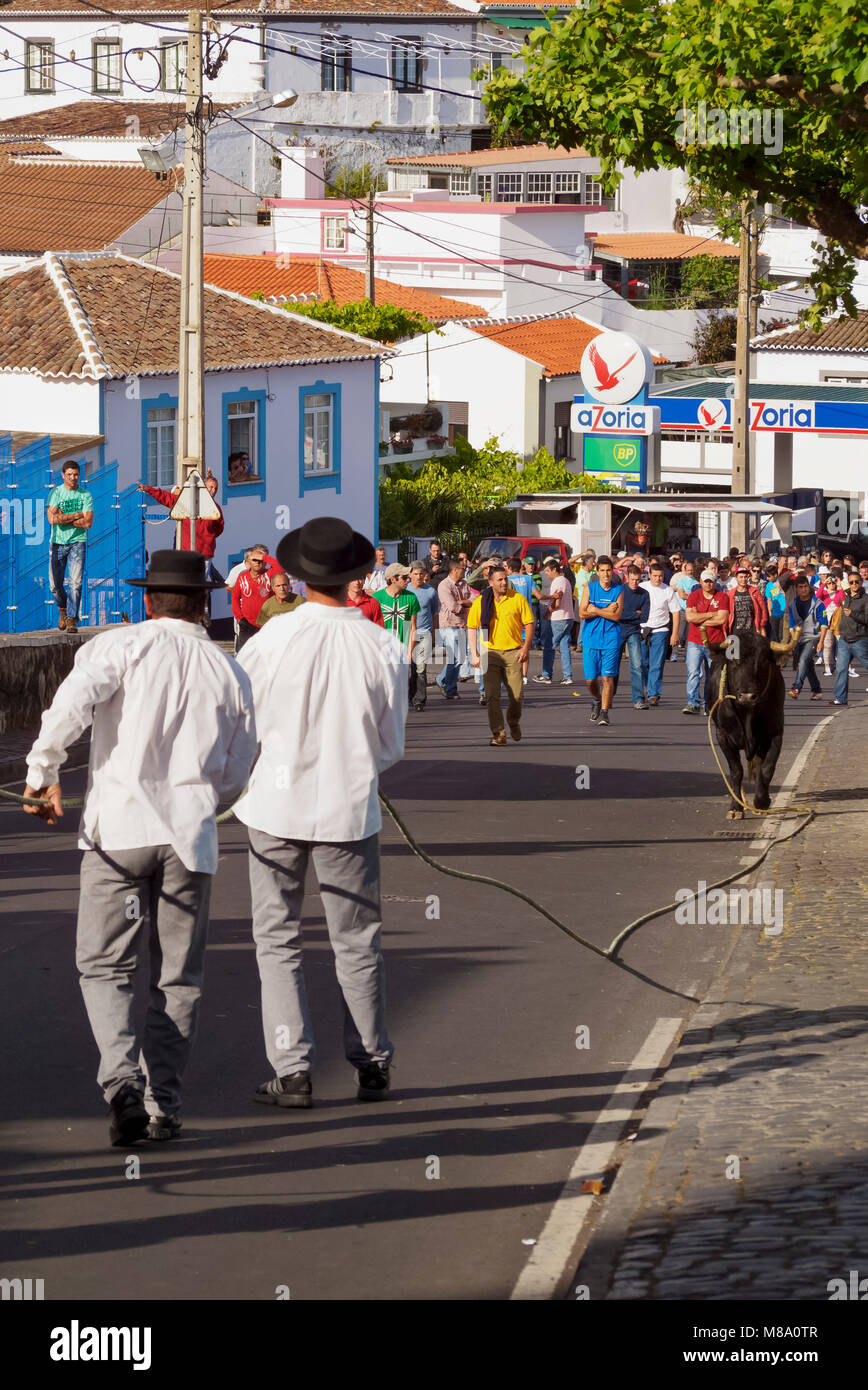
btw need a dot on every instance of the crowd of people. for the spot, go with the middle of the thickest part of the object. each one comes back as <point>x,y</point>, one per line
<point>634,608</point>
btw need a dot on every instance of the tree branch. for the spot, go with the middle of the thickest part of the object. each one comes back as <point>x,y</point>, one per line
<point>793,84</point>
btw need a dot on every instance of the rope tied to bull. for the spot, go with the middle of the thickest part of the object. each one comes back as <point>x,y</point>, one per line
<point>739,799</point>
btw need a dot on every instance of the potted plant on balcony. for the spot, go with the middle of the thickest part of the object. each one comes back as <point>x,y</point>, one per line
<point>384,447</point>
<point>436,441</point>
<point>401,446</point>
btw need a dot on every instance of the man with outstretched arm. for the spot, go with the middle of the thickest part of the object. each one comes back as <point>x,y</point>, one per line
<point>173,733</point>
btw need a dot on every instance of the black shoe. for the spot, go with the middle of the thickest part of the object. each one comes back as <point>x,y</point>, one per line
<point>418,704</point>
<point>373,1082</point>
<point>482,699</point>
<point>163,1127</point>
<point>453,696</point>
<point>290,1092</point>
<point>604,717</point>
<point>129,1122</point>
<point>595,711</point>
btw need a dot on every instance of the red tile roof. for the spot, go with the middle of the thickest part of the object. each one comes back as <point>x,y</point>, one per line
<point>661,246</point>
<point>841,334</point>
<point>90,317</point>
<point>319,280</point>
<point>556,343</point>
<point>102,119</point>
<point>67,205</point>
<point>480,159</point>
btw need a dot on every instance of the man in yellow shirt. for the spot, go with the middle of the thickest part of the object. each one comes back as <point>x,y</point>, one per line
<point>506,622</point>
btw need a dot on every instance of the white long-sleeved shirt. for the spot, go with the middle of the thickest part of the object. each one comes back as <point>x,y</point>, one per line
<point>330,694</point>
<point>173,732</point>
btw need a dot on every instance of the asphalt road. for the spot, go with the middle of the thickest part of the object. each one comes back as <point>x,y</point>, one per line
<point>484,1003</point>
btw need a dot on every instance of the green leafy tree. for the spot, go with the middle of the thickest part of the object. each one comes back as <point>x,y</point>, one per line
<point>709,282</point>
<point>384,322</point>
<point>627,79</point>
<point>470,491</point>
<point>714,340</point>
<point>350,182</point>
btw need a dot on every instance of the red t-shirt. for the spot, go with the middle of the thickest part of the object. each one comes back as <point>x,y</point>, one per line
<point>249,594</point>
<point>703,603</point>
<point>369,607</point>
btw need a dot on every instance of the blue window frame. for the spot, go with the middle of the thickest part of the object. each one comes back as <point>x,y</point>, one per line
<point>319,437</point>
<point>159,441</point>
<point>243,415</point>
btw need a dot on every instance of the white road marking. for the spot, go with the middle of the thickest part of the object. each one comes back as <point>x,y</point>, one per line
<point>557,1241</point>
<point>561,1233</point>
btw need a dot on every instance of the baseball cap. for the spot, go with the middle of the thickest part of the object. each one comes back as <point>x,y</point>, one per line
<point>708,574</point>
<point>824,569</point>
<point>392,571</point>
<point>621,555</point>
<point>743,569</point>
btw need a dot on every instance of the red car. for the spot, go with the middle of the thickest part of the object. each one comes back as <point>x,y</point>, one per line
<point>534,548</point>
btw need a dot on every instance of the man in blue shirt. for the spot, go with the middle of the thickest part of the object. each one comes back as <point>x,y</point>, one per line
<point>809,614</point>
<point>636,606</point>
<point>601,638</point>
<point>426,624</point>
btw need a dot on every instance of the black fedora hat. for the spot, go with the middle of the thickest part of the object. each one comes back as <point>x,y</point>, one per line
<point>326,551</point>
<point>176,570</point>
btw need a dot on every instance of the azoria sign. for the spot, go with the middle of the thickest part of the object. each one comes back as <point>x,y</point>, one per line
<point>589,417</point>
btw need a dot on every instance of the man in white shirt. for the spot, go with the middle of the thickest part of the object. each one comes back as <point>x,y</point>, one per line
<point>173,732</point>
<point>330,693</point>
<point>661,629</point>
<point>377,577</point>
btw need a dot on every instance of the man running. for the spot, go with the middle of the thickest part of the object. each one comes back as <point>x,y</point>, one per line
<point>173,734</point>
<point>506,623</point>
<point>601,638</point>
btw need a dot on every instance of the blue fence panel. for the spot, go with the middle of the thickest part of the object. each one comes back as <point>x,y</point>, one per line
<point>100,598</point>
<point>115,548</point>
<point>131,550</point>
<point>34,604</point>
<point>7,533</point>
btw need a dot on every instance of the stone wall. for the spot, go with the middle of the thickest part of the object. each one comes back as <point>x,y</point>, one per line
<point>32,666</point>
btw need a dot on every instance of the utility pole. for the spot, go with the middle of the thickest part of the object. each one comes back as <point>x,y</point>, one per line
<point>191,356</point>
<point>753,316</point>
<point>740,431</point>
<point>369,250</point>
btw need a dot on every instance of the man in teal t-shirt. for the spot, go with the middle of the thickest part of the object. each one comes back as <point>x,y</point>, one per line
<point>70,512</point>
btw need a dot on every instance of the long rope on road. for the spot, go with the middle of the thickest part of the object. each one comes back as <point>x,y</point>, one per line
<point>609,953</point>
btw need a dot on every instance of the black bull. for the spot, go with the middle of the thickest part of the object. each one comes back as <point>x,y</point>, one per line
<point>753,722</point>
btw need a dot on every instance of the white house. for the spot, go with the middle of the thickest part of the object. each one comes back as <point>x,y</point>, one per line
<point>89,347</point>
<point>395,80</point>
<point>514,379</point>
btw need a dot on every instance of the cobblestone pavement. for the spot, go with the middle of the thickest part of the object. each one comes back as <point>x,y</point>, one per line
<point>769,1085</point>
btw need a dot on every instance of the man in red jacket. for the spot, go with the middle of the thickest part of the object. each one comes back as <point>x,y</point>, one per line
<point>252,588</point>
<point>357,596</point>
<point>207,530</point>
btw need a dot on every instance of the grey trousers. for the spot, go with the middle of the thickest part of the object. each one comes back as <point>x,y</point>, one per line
<point>349,885</point>
<point>121,892</point>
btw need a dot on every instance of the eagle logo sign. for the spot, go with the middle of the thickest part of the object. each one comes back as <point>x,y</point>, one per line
<point>605,378</point>
<point>614,368</point>
<point>711,413</point>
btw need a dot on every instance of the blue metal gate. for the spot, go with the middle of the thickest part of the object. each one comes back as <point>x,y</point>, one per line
<point>115,548</point>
